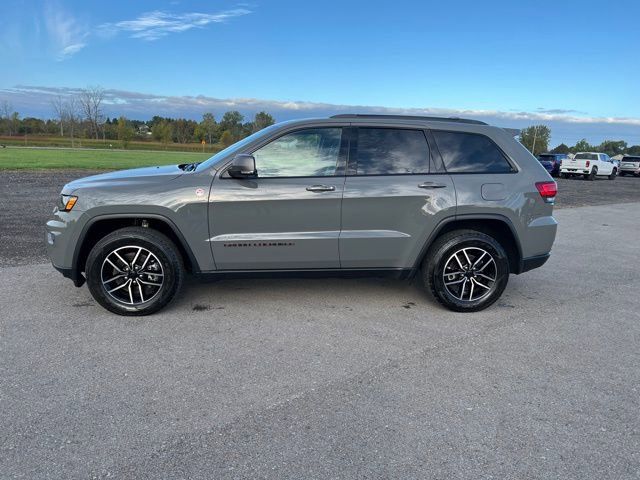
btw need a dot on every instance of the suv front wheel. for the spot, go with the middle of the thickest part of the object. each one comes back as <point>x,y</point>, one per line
<point>466,270</point>
<point>134,271</point>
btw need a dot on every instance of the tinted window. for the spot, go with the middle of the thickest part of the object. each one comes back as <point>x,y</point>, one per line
<point>470,153</point>
<point>305,153</point>
<point>586,156</point>
<point>389,151</point>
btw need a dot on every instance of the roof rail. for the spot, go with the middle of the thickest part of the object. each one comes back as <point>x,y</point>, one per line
<point>409,117</point>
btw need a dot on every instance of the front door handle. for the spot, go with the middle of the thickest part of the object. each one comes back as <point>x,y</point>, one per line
<point>431,185</point>
<point>321,188</point>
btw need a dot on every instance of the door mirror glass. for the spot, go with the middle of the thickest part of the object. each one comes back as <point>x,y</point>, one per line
<point>243,166</point>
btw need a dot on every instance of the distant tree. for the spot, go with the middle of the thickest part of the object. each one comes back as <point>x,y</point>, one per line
<point>562,148</point>
<point>6,110</point>
<point>125,132</point>
<point>582,146</point>
<point>613,147</point>
<point>535,138</point>
<point>232,121</point>
<point>91,99</point>
<point>14,122</point>
<point>633,150</point>
<point>226,138</point>
<point>183,130</point>
<point>208,127</point>
<point>262,120</point>
<point>58,105</point>
<point>162,132</point>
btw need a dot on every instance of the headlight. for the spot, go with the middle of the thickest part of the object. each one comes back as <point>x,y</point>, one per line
<point>67,202</point>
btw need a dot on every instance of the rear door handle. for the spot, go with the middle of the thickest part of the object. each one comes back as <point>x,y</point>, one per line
<point>321,188</point>
<point>431,185</point>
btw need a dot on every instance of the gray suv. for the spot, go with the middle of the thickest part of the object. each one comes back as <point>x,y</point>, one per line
<point>459,201</point>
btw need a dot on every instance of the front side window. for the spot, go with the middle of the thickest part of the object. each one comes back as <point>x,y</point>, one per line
<point>391,151</point>
<point>470,153</point>
<point>311,152</point>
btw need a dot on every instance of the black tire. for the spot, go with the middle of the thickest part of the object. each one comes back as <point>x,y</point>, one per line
<point>442,250</point>
<point>163,252</point>
<point>564,175</point>
<point>591,176</point>
<point>613,174</point>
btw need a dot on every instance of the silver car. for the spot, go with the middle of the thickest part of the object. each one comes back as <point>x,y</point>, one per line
<point>458,201</point>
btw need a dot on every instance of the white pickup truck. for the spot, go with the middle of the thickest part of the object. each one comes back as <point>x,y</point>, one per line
<point>590,165</point>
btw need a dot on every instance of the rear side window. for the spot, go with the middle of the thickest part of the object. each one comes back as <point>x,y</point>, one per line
<point>470,153</point>
<point>390,151</point>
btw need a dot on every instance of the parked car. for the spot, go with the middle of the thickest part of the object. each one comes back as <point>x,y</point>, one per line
<point>590,165</point>
<point>459,200</point>
<point>630,164</point>
<point>552,162</point>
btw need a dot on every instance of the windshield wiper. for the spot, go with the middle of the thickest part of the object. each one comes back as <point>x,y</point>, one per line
<point>189,167</point>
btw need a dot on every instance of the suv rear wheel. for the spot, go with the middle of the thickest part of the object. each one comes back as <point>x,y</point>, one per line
<point>466,270</point>
<point>134,271</point>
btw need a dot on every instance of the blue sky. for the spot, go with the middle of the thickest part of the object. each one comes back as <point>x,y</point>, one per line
<point>572,64</point>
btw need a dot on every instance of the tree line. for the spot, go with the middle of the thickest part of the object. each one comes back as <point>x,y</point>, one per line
<point>536,139</point>
<point>82,116</point>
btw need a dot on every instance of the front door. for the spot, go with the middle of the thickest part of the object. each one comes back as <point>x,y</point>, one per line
<point>394,197</point>
<point>289,216</point>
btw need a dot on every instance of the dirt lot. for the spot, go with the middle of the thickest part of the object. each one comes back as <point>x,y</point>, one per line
<point>28,198</point>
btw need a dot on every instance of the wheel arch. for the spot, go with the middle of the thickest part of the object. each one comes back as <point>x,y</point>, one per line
<point>101,225</point>
<point>495,225</point>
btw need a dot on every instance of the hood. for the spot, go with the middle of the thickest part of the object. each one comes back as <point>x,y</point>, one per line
<point>126,177</point>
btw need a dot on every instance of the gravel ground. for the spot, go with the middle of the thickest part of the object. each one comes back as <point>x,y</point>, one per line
<point>333,378</point>
<point>34,193</point>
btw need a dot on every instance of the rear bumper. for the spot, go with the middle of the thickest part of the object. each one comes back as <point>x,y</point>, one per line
<point>534,262</point>
<point>635,171</point>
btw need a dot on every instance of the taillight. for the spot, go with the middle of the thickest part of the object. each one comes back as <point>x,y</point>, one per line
<point>547,190</point>
<point>587,163</point>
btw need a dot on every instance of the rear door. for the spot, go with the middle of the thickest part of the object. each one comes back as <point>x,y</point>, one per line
<point>289,216</point>
<point>393,197</point>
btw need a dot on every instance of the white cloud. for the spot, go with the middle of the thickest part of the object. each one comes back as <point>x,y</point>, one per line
<point>154,25</point>
<point>66,35</point>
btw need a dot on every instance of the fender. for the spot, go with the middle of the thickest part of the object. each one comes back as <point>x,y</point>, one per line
<point>76,275</point>
<point>472,216</point>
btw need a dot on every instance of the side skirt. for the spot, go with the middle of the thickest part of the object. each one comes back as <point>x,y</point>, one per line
<point>398,273</point>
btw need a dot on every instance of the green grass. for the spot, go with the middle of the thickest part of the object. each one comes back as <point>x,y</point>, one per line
<point>44,158</point>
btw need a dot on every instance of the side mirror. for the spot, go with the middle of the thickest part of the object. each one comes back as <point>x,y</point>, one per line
<point>243,166</point>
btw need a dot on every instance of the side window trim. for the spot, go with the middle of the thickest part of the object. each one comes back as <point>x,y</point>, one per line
<point>352,165</point>
<point>340,164</point>
<point>507,158</point>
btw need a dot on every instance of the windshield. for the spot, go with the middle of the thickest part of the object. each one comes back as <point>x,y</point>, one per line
<point>631,159</point>
<point>586,156</point>
<point>546,158</point>
<point>230,150</point>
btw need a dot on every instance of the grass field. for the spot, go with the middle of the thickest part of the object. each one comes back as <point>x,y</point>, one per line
<point>43,158</point>
<point>65,142</point>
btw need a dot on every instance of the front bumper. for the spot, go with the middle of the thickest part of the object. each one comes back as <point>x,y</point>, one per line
<point>62,232</point>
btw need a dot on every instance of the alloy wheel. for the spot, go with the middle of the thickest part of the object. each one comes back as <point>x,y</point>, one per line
<point>132,275</point>
<point>470,274</point>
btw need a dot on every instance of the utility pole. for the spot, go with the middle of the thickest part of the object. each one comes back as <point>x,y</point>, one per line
<point>535,135</point>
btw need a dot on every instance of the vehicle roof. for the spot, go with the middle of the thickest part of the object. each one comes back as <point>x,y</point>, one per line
<point>591,153</point>
<point>417,118</point>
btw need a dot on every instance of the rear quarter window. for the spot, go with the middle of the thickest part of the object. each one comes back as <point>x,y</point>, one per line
<point>470,153</point>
